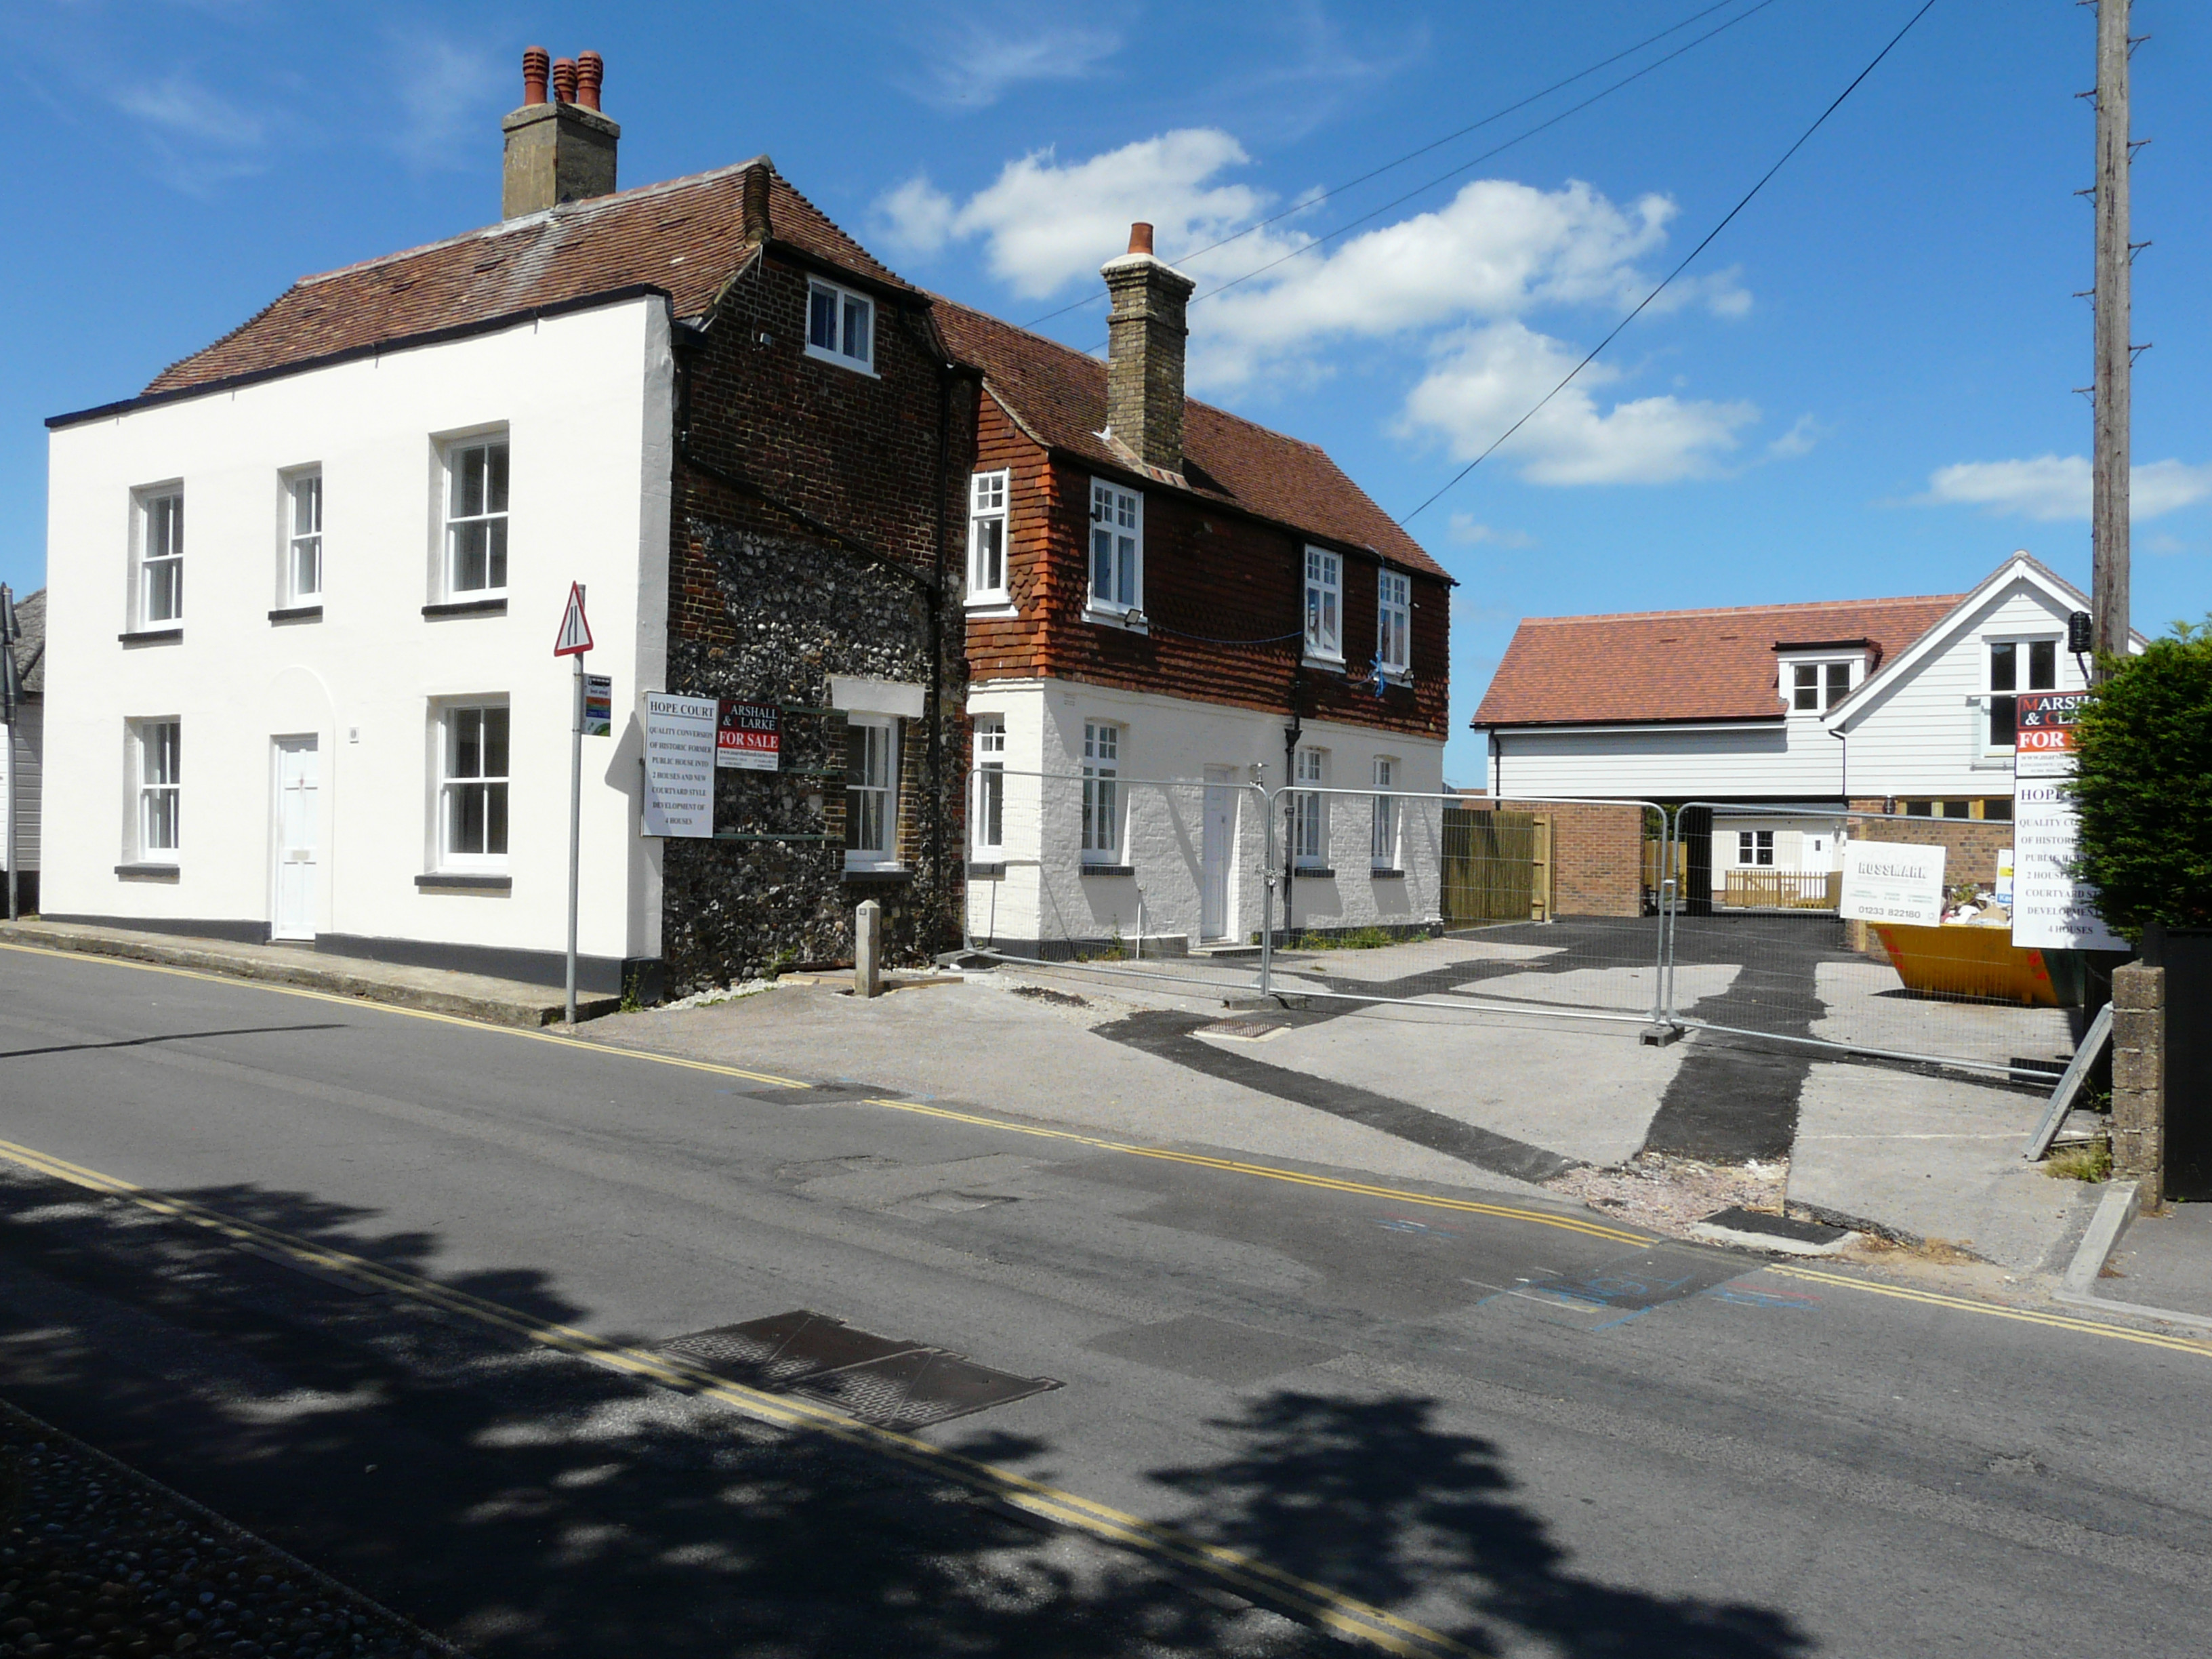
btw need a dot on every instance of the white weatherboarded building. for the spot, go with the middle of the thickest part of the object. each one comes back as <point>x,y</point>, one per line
<point>1903,706</point>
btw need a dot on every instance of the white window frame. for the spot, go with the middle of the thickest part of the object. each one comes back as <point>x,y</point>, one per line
<point>1102,791</point>
<point>2022,645</point>
<point>453,784</point>
<point>1324,606</point>
<point>1309,811</point>
<point>1117,517</point>
<point>987,816</point>
<point>881,787</point>
<point>1754,849</point>
<point>988,497</point>
<point>156,801</point>
<point>499,548</point>
<point>1382,846</point>
<point>158,556</point>
<point>1393,622</point>
<point>303,547</point>
<point>1817,675</point>
<point>851,322</point>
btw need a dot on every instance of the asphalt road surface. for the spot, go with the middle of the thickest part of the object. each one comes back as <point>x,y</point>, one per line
<point>392,1291</point>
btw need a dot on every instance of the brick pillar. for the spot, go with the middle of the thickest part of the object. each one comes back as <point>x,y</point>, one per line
<point>2139,1078</point>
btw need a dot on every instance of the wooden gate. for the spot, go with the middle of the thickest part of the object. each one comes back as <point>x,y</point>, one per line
<point>1497,866</point>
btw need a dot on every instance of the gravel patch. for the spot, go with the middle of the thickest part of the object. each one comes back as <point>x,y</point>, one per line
<point>96,1558</point>
<point>1670,1195</point>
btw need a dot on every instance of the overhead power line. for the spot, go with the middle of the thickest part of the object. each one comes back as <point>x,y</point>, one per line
<point>1306,203</point>
<point>1679,269</point>
<point>1327,237</point>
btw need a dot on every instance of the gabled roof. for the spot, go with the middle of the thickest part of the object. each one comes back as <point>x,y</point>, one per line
<point>685,237</point>
<point>31,643</point>
<point>1682,665</point>
<point>2021,567</point>
<point>1059,396</point>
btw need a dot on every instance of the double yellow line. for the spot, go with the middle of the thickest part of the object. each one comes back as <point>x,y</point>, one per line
<point>1347,1615</point>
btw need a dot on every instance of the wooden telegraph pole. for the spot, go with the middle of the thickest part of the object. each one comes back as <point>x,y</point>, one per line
<point>2114,354</point>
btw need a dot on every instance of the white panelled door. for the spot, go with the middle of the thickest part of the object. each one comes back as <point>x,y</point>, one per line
<point>299,780</point>
<point>1218,849</point>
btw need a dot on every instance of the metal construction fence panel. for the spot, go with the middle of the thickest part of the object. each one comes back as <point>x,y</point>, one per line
<point>1112,872</point>
<point>1759,945</point>
<point>1533,904</point>
<point>1340,896</point>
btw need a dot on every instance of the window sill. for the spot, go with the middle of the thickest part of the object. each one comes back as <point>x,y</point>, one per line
<point>1109,869</point>
<point>1313,872</point>
<point>1333,664</point>
<point>980,871</point>
<point>465,881</point>
<point>992,607</point>
<point>850,365</point>
<point>1119,619</point>
<point>292,613</point>
<point>468,608</point>
<point>148,871</point>
<point>879,875</point>
<point>1380,873</point>
<point>153,635</point>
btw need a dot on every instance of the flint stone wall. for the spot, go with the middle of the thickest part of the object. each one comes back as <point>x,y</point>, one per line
<point>794,613</point>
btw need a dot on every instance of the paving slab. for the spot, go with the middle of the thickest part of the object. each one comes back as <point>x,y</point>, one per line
<point>981,1045</point>
<point>1934,1158</point>
<point>436,990</point>
<point>2165,1261</point>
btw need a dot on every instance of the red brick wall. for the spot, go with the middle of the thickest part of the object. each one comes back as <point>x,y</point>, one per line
<point>1971,844</point>
<point>765,606</point>
<point>1596,854</point>
<point>1208,571</point>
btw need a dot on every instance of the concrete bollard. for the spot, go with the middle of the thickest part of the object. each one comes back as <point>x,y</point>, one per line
<point>2139,1080</point>
<point>868,950</point>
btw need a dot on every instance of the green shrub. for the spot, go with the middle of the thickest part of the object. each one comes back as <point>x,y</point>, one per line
<point>2143,786</point>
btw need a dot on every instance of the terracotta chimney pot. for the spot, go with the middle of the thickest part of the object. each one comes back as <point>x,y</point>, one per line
<point>591,72</point>
<point>1141,238</point>
<point>534,64</point>
<point>564,79</point>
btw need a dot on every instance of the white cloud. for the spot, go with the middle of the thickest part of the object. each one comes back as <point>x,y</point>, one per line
<point>1458,282</point>
<point>916,218</point>
<point>1463,528</point>
<point>443,90</point>
<point>972,62</point>
<point>1488,377</point>
<point>1803,434</point>
<point>2054,487</point>
<point>1044,224</point>
<point>179,106</point>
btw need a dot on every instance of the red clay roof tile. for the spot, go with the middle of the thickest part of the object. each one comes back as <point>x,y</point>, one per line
<point>686,236</point>
<point>1060,395</point>
<point>1682,665</point>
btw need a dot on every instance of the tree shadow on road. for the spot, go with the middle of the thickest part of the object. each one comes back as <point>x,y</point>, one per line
<point>525,1502</point>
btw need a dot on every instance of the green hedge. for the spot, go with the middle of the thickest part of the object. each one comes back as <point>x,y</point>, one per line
<point>2143,786</point>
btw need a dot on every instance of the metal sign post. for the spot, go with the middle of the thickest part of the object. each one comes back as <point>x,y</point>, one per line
<point>574,641</point>
<point>10,696</point>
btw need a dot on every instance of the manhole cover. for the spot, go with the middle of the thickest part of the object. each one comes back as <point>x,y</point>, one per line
<point>879,1379</point>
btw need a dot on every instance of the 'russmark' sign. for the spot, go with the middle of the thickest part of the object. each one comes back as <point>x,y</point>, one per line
<point>1891,881</point>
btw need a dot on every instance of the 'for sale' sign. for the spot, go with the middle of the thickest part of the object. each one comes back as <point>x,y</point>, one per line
<point>2043,733</point>
<point>750,737</point>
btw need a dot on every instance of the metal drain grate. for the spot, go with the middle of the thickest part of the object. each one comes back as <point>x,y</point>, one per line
<point>877,1379</point>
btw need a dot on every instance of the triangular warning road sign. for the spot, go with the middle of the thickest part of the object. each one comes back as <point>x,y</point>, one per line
<point>576,632</point>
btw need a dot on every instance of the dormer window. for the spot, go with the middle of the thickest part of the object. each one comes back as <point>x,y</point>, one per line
<point>1817,686</point>
<point>840,326</point>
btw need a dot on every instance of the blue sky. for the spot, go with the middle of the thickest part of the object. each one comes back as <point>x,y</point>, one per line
<point>1865,386</point>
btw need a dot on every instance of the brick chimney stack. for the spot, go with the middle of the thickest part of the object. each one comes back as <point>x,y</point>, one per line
<point>561,148</point>
<point>1144,335</point>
